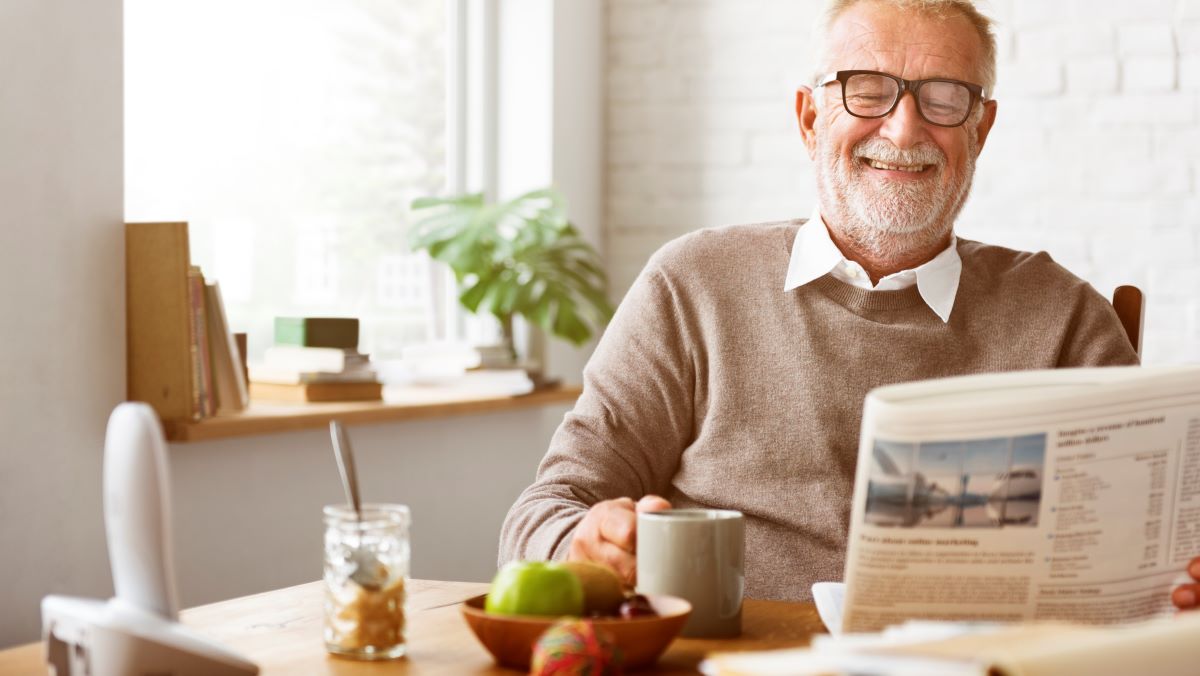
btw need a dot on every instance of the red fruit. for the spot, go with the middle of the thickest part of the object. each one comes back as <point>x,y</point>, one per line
<point>636,606</point>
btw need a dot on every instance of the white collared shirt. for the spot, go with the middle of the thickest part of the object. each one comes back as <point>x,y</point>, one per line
<point>814,255</point>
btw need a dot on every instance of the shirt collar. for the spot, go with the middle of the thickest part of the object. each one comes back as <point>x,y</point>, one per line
<point>815,255</point>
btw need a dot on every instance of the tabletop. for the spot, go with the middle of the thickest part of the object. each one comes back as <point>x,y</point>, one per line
<point>281,632</point>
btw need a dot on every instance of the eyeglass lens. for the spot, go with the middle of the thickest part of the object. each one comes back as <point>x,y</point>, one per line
<point>869,95</point>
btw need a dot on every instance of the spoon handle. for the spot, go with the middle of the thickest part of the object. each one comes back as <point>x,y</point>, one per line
<point>345,463</point>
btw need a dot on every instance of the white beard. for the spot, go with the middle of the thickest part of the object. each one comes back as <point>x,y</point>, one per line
<point>893,221</point>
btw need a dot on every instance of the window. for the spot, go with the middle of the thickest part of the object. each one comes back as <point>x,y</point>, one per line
<point>292,135</point>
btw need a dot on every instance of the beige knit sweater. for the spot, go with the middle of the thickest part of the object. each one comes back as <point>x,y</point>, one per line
<point>714,387</point>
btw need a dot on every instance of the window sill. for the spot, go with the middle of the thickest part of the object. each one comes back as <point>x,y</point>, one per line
<point>263,417</point>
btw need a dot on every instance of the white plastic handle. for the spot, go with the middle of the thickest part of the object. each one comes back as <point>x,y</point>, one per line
<point>137,511</point>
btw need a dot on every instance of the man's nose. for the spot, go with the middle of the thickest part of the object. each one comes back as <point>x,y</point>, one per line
<point>904,126</point>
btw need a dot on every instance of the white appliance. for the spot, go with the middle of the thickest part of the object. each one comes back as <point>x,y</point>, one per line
<point>135,633</point>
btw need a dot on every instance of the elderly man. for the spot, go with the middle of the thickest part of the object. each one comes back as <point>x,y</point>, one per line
<point>734,371</point>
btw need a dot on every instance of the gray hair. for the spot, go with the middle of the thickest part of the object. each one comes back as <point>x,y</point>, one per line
<point>939,9</point>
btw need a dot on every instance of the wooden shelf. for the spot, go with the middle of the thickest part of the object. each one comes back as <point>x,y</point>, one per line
<point>411,403</point>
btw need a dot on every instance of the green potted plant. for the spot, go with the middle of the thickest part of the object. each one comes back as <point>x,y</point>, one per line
<point>520,257</point>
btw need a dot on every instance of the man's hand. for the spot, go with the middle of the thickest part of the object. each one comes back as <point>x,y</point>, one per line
<point>1187,596</point>
<point>608,534</point>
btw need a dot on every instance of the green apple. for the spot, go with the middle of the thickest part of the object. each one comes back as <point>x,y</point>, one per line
<point>535,588</point>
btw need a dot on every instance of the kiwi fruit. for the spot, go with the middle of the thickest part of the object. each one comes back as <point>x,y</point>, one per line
<point>603,590</point>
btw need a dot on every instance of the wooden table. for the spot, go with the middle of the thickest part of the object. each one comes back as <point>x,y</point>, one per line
<point>281,632</point>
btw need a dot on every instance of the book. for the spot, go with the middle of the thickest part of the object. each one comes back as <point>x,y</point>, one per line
<point>317,392</point>
<point>282,376</point>
<point>313,359</point>
<point>203,401</point>
<point>243,350</point>
<point>338,332</point>
<point>158,318</point>
<point>228,377</point>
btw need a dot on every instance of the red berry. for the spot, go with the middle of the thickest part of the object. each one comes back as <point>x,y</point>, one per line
<point>636,606</point>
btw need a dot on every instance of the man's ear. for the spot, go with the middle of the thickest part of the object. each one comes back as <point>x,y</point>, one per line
<point>806,115</point>
<point>986,122</point>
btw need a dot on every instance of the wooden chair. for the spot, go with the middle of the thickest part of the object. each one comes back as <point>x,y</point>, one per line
<point>1127,301</point>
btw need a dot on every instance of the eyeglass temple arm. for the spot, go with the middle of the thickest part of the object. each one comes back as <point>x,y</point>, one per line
<point>822,81</point>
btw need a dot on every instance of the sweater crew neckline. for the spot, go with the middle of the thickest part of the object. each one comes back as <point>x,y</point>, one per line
<point>866,300</point>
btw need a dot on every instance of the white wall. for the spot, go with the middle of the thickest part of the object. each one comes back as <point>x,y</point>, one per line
<point>62,362</point>
<point>1095,156</point>
<point>248,511</point>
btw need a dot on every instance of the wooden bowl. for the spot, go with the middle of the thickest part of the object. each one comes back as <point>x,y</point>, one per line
<point>510,638</point>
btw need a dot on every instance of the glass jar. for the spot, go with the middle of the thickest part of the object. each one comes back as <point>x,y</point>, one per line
<point>366,575</point>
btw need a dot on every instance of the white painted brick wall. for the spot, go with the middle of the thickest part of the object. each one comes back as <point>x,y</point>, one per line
<point>1148,74</point>
<point>1188,36</point>
<point>1146,39</point>
<point>1095,156</point>
<point>1189,72</point>
<point>1092,75</point>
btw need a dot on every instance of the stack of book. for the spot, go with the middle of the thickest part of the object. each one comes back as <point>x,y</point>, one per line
<point>315,359</point>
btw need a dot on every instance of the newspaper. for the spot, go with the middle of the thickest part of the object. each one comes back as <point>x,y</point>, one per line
<point>1069,495</point>
<point>1163,647</point>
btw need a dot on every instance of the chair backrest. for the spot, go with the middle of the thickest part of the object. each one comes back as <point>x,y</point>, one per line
<point>1127,301</point>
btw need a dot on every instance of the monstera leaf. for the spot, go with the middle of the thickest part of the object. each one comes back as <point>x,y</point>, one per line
<point>520,257</point>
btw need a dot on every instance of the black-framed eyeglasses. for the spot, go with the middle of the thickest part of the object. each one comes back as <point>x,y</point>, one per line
<point>940,101</point>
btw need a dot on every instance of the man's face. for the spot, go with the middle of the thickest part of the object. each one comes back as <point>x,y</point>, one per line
<point>894,185</point>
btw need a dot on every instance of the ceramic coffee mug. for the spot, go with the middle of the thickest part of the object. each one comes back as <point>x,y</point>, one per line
<point>699,555</point>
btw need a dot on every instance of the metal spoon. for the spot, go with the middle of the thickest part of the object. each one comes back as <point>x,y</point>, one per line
<point>368,573</point>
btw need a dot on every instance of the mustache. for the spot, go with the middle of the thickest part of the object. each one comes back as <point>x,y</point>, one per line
<point>876,148</point>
